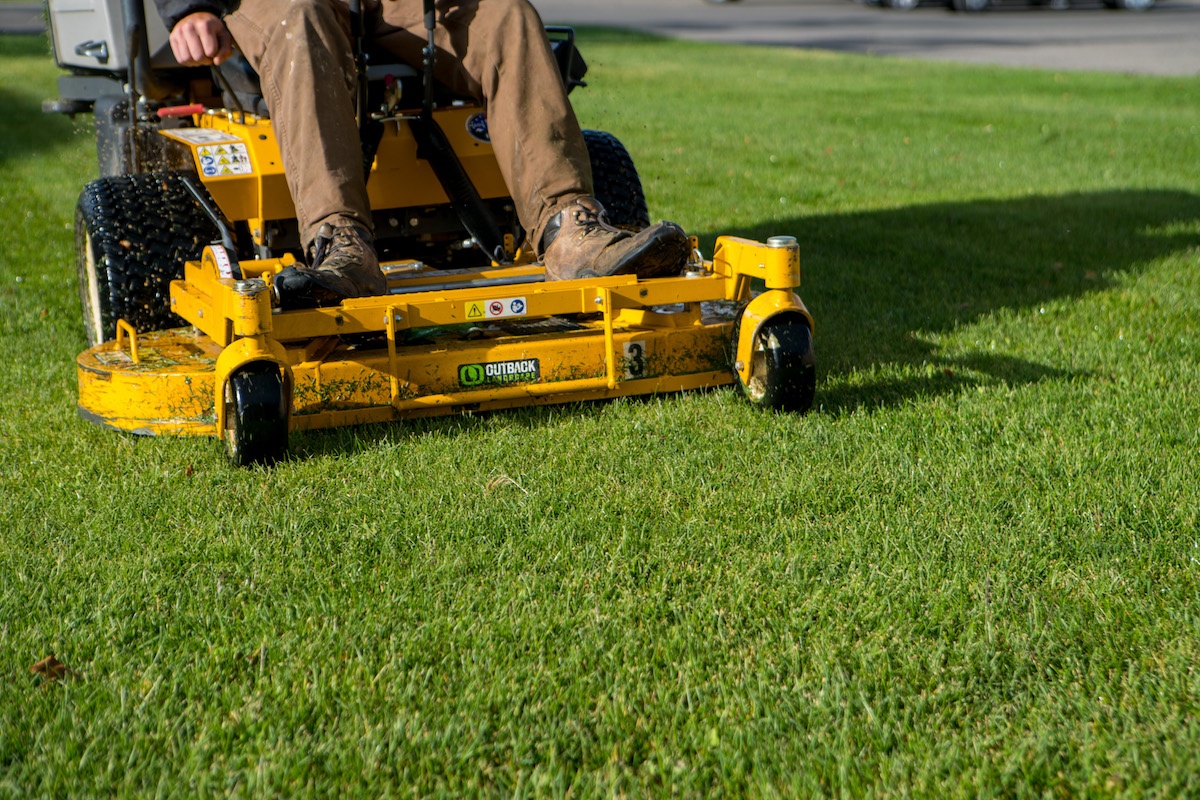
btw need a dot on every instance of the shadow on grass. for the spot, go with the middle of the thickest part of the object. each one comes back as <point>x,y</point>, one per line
<point>880,282</point>
<point>25,130</point>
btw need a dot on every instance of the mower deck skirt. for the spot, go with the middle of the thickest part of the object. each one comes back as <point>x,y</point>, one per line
<point>170,388</point>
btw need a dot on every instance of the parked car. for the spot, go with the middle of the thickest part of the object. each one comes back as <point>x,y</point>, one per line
<point>983,5</point>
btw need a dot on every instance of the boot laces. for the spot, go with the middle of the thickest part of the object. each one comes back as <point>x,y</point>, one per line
<point>334,241</point>
<point>593,220</point>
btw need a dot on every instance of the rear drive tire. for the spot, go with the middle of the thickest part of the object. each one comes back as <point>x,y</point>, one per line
<point>616,183</point>
<point>132,235</point>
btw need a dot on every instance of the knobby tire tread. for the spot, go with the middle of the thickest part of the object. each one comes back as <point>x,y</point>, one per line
<point>143,228</point>
<point>616,183</point>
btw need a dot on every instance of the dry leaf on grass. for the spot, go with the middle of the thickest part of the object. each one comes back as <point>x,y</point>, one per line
<point>50,669</point>
<point>503,480</point>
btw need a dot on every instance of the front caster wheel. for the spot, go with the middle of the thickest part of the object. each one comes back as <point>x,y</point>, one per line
<point>783,374</point>
<point>256,425</point>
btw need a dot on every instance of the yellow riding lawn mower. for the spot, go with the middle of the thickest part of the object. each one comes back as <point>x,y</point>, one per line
<point>179,240</point>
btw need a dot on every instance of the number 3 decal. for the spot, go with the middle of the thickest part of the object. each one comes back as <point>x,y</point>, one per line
<point>635,360</point>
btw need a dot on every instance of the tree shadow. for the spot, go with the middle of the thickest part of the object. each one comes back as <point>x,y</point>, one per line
<point>879,283</point>
<point>25,130</point>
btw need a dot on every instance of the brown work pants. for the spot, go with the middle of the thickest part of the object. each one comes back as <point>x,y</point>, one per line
<point>494,50</point>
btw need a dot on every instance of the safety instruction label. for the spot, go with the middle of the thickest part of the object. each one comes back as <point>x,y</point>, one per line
<point>200,135</point>
<point>499,308</point>
<point>221,160</point>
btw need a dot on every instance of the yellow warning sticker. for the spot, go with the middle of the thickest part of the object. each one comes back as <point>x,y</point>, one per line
<point>222,160</point>
<point>475,311</point>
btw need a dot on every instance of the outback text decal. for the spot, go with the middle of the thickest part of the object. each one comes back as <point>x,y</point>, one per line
<point>526,370</point>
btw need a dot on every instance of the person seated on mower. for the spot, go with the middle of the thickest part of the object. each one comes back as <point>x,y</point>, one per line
<point>494,50</point>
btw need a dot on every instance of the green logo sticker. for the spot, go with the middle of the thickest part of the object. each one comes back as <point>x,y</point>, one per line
<point>490,373</point>
<point>471,374</point>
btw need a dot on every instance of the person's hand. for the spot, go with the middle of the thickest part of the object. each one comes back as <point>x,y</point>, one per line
<point>201,39</point>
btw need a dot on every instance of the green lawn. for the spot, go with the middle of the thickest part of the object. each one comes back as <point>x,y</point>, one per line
<point>972,571</point>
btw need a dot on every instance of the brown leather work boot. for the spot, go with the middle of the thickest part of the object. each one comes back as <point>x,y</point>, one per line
<point>579,242</point>
<point>344,265</point>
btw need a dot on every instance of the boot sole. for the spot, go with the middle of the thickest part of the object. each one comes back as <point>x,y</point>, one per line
<point>301,288</point>
<point>664,255</point>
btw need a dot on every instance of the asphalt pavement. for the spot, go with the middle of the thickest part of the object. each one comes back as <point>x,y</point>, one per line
<point>21,18</point>
<point>1085,36</point>
<point>1163,41</point>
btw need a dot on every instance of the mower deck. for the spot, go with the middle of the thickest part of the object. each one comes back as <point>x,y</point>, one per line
<point>440,343</point>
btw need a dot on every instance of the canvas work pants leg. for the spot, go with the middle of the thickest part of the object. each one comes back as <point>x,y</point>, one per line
<point>494,50</point>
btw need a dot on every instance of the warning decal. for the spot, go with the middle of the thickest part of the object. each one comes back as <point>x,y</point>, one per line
<point>221,160</point>
<point>526,370</point>
<point>496,309</point>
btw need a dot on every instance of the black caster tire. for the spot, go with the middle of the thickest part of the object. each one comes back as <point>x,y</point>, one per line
<point>616,183</point>
<point>783,374</point>
<point>256,425</point>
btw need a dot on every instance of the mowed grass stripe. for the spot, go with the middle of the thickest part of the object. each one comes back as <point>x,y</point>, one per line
<point>971,571</point>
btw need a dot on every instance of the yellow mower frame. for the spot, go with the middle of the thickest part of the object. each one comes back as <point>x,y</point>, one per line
<point>442,341</point>
<point>468,323</point>
<point>246,178</point>
<point>445,343</point>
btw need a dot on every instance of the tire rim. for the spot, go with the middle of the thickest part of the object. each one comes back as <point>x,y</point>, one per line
<point>231,442</point>
<point>92,322</point>
<point>756,386</point>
